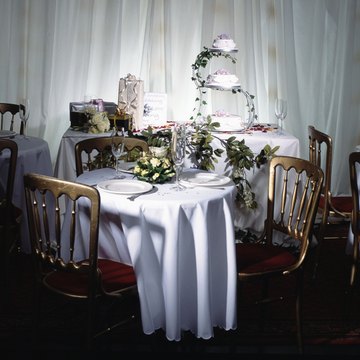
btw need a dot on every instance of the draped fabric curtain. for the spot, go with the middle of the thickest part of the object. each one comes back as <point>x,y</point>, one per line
<point>307,51</point>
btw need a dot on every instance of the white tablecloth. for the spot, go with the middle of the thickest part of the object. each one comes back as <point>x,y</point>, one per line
<point>65,163</point>
<point>182,247</point>
<point>289,145</point>
<point>33,156</point>
<point>256,140</point>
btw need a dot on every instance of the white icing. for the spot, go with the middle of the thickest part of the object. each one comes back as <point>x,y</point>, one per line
<point>227,121</point>
<point>222,77</point>
<point>223,41</point>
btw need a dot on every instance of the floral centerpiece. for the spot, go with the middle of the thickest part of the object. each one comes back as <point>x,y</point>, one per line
<point>154,169</point>
<point>99,123</point>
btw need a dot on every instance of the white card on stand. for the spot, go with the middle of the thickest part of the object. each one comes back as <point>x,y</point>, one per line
<point>155,109</point>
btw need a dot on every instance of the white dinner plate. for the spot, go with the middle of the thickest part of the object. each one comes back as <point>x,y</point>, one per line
<point>125,186</point>
<point>203,178</point>
<point>7,133</point>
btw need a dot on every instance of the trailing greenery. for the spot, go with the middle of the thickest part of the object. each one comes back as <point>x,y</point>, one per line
<point>201,62</point>
<point>153,137</point>
<point>239,157</point>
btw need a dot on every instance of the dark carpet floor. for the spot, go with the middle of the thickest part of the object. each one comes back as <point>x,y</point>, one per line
<point>331,322</point>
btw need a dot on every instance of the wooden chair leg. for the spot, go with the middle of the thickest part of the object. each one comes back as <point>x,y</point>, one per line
<point>299,310</point>
<point>317,253</point>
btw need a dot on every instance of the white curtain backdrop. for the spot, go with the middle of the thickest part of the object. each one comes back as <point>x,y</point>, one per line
<point>307,51</point>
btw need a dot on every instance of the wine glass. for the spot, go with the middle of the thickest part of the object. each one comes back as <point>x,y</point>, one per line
<point>281,112</point>
<point>117,149</point>
<point>178,141</point>
<point>90,110</point>
<point>24,112</point>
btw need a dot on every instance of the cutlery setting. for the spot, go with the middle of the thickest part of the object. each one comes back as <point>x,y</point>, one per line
<point>135,196</point>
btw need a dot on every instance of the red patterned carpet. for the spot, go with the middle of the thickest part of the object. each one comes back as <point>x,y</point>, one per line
<point>331,324</point>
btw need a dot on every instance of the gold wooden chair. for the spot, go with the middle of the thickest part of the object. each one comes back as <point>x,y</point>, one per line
<point>10,215</point>
<point>97,152</point>
<point>354,166</point>
<point>54,243</point>
<point>12,110</point>
<point>332,209</point>
<point>294,188</point>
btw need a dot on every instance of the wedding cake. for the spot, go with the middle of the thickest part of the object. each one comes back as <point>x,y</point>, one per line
<point>228,122</point>
<point>224,42</point>
<point>222,77</point>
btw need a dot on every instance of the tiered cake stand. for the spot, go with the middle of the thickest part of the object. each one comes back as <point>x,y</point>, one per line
<point>202,59</point>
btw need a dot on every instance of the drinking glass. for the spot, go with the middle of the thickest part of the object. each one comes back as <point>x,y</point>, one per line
<point>24,112</point>
<point>178,142</point>
<point>281,112</point>
<point>90,110</point>
<point>117,149</point>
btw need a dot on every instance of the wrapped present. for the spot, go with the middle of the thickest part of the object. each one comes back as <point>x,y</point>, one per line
<point>131,99</point>
<point>121,119</point>
<point>78,116</point>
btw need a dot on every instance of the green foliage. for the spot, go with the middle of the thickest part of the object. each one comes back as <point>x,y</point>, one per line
<point>199,147</point>
<point>201,62</point>
<point>156,138</point>
<point>239,158</point>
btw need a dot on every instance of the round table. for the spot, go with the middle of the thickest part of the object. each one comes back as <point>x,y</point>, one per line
<point>33,156</point>
<point>182,247</point>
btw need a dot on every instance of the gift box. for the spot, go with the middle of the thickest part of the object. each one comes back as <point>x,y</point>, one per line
<point>77,112</point>
<point>122,121</point>
<point>131,99</point>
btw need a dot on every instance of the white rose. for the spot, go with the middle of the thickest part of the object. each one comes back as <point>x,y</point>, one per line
<point>103,126</point>
<point>155,162</point>
<point>93,130</point>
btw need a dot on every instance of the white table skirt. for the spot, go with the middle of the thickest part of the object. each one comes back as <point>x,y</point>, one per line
<point>182,247</point>
<point>65,163</point>
<point>33,156</point>
<point>289,145</point>
<point>256,140</point>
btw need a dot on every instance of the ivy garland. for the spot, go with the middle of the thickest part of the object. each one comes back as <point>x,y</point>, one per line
<point>200,63</point>
<point>239,157</point>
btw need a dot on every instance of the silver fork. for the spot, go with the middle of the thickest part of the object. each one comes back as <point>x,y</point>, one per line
<point>135,196</point>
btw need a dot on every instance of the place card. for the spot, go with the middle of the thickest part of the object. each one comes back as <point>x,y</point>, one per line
<point>155,109</point>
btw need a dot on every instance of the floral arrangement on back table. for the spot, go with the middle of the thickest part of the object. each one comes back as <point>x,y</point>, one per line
<point>240,158</point>
<point>99,123</point>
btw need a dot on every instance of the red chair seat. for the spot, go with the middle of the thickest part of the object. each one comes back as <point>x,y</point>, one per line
<point>15,216</point>
<point>340,203</point>
<point>253,258</point>
<point>115,277</point>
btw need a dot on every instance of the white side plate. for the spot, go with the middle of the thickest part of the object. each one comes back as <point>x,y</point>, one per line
<point>7,133</point>
<point>203,178</point>
<point>124,186</point>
